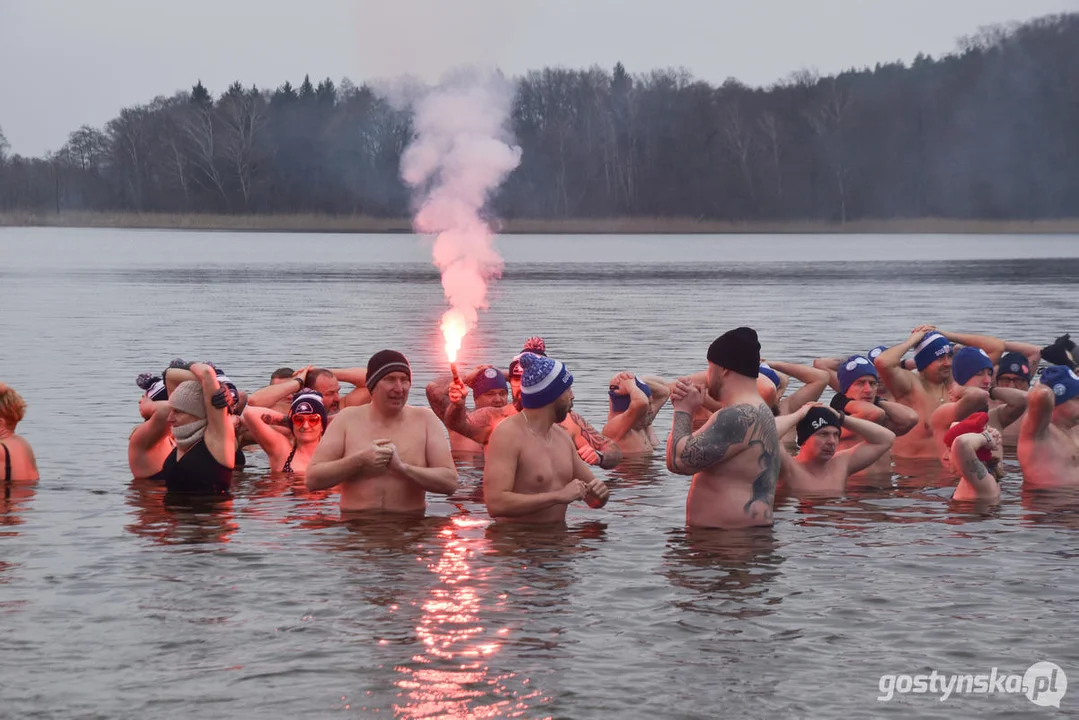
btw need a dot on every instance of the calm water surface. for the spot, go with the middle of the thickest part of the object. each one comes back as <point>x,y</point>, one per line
<point>115,605</point>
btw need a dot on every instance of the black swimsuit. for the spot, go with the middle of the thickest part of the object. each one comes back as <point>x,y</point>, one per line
<point>196,472</point>
<point>7,462</point>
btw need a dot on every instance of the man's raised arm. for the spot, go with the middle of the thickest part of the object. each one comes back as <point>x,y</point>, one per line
<point>723,436</point>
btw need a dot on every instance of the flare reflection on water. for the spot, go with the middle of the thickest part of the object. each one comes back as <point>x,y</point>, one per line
<point>452,677</point>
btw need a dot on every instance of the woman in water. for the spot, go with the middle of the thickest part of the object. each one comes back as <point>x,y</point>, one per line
<point>18,457</point>
<point>289,453</point>
<point>205,452</point>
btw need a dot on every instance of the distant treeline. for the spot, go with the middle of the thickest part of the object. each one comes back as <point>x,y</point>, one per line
<point>989,132</point>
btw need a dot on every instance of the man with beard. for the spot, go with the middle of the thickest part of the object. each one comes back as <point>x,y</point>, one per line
<point>386,454</point>
<point>533,471</point>
<point>734,458</point>
<point>820,466</point>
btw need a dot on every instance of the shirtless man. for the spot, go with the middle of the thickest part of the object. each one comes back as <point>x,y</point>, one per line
<point>489,389</point>
<point>18,462</point>
<point>533,471</point>
<point>857,385</point>
<point>972,391</point>
<point>923,391</point>
<point>820,467</point>
<point>593,447</point>
<point>1014,372</point>
<point>1049,439</point>
<point>735,457</point>
<point>386,454</point>
<point>634,403</point>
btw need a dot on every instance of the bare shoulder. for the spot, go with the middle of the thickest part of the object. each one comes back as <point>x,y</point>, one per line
<point>417,413</point>
<point>506,431</point>
<point>352,415</point>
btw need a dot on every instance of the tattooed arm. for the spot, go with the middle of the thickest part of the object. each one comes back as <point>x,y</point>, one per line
<point>476,425</point>
<point>721,438</point>
<point>661,392</point>
<point>974,471</point>
<point>590,441</point>
<point>438,394</point>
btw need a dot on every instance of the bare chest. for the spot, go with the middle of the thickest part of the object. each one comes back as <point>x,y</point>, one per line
<point>409,438</point>
<point>542,467</point>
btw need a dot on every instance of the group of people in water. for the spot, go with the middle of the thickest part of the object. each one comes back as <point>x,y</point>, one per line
<point>959,398</point>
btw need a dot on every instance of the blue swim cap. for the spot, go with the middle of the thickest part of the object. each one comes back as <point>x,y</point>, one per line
<point>875,352</point>
<point>855,367</point>
<point>620,403</point>
<point>932,347</point>
<point>490,379</point>
<point>1063,381</point>
<point>968,362</point>
<point>767,371</point>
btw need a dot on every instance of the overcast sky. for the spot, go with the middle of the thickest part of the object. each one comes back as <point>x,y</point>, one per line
<point>65,63</point>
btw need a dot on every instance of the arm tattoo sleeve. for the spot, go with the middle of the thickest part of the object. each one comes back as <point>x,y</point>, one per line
<point>764,436</point>
<point>754,426</point>
<point>710,445</point>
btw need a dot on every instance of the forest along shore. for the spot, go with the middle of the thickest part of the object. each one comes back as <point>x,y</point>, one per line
<point>576,226</point>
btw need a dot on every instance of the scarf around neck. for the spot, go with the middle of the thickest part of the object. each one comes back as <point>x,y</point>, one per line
<point>189,435</point>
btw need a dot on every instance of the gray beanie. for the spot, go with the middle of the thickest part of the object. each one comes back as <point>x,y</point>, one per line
<point>187,397</point>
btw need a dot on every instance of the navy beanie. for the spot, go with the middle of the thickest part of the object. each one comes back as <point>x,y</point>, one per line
<point>855,367</point>
<point>490,379</point>
<point>968,362</point>
<point>1063,381</point>
<point>620,403</point>
<point>1013,363</point>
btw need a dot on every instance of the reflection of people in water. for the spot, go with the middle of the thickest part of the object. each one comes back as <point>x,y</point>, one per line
<point>723,566</point>
<point>175,519</point>
<point>18,460</point>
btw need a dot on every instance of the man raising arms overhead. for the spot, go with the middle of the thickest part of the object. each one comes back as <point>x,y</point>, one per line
<point>734,458</point>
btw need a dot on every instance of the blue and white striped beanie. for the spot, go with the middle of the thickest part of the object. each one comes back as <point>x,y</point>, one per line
<point>932,346</point>
<point>544,380</point>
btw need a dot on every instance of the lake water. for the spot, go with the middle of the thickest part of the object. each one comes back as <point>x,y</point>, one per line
<point>113,605</point>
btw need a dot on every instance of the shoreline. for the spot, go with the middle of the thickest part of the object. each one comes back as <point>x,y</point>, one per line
<point>583,226</point>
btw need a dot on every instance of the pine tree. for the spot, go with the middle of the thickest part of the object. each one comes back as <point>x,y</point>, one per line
<point>200,95</point>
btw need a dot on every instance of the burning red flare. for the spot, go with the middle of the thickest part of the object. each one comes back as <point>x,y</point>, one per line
<point>454,328</point>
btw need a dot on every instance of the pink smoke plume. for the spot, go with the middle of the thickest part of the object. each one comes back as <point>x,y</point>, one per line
<point>461,152</point>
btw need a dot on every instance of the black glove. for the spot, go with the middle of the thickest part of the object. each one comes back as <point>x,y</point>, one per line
<point>1060,352</point>
<point>220,398</point>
